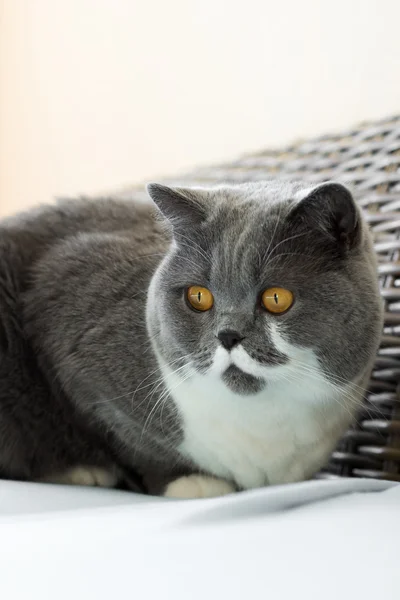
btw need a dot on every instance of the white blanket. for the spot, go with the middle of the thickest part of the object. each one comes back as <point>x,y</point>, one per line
<point>334,540</point>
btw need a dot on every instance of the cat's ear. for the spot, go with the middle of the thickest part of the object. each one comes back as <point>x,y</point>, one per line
<point>331,208</point>
<point>183,207</point>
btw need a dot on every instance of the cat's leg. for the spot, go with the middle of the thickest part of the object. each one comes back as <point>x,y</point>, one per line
<point>84,475</point>
<point>198,486</point>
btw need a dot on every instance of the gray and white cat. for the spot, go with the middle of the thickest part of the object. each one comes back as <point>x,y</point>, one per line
<point>223,347</point>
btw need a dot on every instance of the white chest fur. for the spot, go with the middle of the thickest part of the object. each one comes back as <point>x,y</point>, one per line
<point>281,434</point>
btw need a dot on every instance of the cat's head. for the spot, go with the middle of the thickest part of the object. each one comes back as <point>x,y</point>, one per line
<point>263,280</point>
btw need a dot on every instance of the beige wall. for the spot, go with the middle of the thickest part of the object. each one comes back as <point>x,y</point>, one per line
<point>96,94</point>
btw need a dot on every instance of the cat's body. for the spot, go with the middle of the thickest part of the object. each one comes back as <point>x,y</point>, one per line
<point>73,290</point>
<point>92,377</point>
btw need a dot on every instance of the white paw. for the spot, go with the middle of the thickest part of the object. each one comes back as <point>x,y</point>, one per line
<point>91,476</point>
<point>198,486</point>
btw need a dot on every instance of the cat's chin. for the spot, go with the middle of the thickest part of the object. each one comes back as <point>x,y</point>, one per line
<point>242,383</point>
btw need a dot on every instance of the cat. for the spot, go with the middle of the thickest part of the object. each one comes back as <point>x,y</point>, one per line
<point>215,340</point>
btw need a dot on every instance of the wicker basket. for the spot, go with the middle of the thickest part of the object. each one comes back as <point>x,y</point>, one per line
<point>367,158</point>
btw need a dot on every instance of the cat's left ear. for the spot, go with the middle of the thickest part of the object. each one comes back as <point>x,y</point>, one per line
<point>331,208</point>
<point>183,207</point>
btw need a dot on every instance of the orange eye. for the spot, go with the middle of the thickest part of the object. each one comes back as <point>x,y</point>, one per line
<point>277,300</point>
<point>200,298</point>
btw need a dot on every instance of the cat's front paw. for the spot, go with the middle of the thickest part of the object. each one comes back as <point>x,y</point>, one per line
<point>83,475</point>
<point>198,486</point>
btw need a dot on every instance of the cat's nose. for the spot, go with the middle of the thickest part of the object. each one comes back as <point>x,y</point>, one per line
<point>229,338</point>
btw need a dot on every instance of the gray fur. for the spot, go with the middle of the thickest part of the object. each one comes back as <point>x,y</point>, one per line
<point>80,381</point>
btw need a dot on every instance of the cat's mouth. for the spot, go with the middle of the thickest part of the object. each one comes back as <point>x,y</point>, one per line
<point>240,382</point>
<point>239,372</point>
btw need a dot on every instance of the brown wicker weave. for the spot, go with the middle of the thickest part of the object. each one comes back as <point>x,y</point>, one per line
<point>367,158</point>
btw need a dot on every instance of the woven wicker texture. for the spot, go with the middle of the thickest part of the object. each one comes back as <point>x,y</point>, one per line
<point>368,159</point>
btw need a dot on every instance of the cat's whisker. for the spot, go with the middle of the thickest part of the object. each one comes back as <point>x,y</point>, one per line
<point>162,380</point>
<point>278,220</point>
<point>330,376</point>
<point>288,239</point>
<point>159,381</point>
<point>166,393</point>
<point>150,341</point>
<point>357,388</point>
<point>323,377</point>
<point>193,245</point>
<point>139,387</point>
<point>296,377</point>
<point>190,262</point>
<point>290,254</point>
<point>159,368</point>
<point>352,401</point>
<point>148,255</point>
<point>311,371</point>
<point>173,404</point>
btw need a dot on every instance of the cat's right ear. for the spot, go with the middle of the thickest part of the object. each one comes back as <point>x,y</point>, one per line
<point>183,207</point>
<point>331,209</point>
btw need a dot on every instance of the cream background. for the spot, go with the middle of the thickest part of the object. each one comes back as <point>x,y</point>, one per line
<point>96,94</point>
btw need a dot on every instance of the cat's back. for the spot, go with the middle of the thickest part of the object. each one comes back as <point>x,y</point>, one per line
<point>30,233</point>
<point>27,237</point>
<point>46,243</point>
<point>41,252</point>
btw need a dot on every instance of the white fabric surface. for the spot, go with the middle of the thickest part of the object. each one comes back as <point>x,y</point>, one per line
<point>321,539</point>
